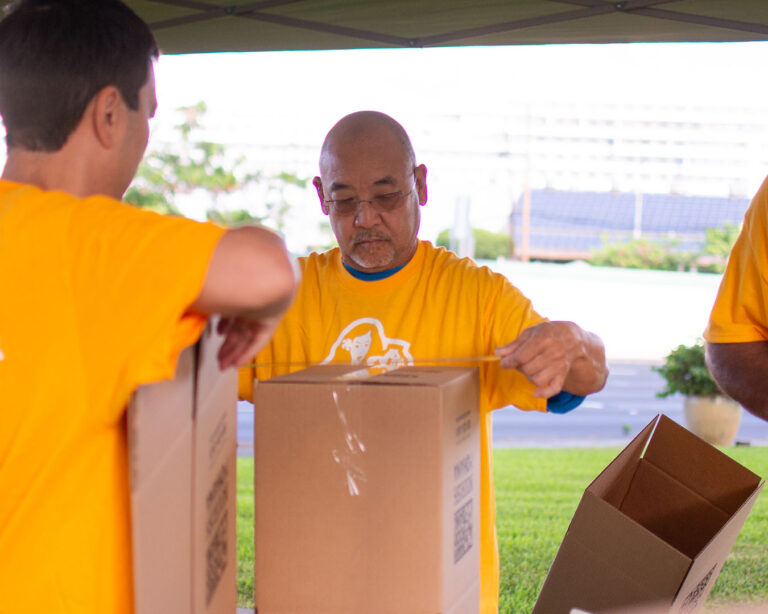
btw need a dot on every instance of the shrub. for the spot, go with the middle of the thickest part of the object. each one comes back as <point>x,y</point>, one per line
<point>643,254</point>
<point>685,371</point>
<point>488,245</point>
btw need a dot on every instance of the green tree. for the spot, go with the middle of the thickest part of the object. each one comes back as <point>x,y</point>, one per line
<point>718,243</point>
<point>191,165</point>
<point>188,166</point>
<point>488,245</point>
<point>236,217</point>
<point>277,204</point>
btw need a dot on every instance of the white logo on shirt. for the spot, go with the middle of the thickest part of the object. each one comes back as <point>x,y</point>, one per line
<point>2,356</point>
<point>364,342</point>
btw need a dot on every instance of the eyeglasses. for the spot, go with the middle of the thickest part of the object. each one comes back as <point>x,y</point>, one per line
<point>381,203</point>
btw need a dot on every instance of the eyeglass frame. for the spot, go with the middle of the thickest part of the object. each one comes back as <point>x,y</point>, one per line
<point>398,196</point>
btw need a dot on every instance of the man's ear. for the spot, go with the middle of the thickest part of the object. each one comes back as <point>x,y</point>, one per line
<point>420,173</point>
<point>108,114</point>
<point>318,183</point>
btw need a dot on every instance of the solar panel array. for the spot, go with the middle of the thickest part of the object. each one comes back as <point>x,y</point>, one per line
<point>584,221</point>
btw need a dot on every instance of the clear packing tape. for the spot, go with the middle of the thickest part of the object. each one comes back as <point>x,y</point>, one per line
<point>377,369</point>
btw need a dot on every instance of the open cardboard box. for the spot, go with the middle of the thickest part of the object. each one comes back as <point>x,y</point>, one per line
<point>755,608</point>
<point>182,437</point>
<point>654,527</point>
<point>367,491</point>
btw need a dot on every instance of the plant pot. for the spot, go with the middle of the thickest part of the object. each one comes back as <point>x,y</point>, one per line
<point>714,419</point>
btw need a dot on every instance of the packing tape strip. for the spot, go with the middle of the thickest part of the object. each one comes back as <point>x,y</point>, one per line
<point>383,368</point>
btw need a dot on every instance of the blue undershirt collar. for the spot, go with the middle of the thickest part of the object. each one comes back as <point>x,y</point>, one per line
<point>372,276</point>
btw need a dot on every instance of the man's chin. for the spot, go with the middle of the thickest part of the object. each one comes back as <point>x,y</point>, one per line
<point>373,256</point>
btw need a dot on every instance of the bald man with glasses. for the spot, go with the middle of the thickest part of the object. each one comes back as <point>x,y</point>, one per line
<point>385,298</point>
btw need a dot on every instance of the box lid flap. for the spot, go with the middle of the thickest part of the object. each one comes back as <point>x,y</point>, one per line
<point>613,482</point>
<point>709,562</point>
<point>362,375</point>
<point>700,466</point>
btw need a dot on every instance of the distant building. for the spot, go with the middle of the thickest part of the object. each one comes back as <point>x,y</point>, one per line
<point>571,225</point>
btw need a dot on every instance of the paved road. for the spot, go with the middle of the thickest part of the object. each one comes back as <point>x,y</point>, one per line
<point>611,417</point>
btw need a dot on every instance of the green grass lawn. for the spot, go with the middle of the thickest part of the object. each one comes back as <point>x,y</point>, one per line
<point>537,491</point>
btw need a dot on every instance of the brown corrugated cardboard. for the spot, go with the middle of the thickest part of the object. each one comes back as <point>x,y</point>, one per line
<point>182,444</point>
<point>664,609</point>
<point>654,527</point>
<point>367,491</point>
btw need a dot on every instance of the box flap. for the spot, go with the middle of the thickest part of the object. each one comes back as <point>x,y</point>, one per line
<point>607,559</point>
<point>707,566</point>
<point>613,482</point>
<point>160,436</point>
<point>671,510</point>
<point>363,375</point>
<point>700,466</point>
<point>157,415</point>
<point>214,562</point>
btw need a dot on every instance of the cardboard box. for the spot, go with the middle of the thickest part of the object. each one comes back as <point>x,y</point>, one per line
<point>182,437</point>
<point>367,491</point>
<point>654,527</point>
<point>664,609</point>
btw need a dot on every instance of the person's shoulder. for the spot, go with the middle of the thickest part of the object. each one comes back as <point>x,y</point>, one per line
<point>106,212</point>
<point>759,204</point>
<point>51,207</point>
<point>26,194</point>
<point>440,258</point>
<point>756,215</point>
<point>320,260</point>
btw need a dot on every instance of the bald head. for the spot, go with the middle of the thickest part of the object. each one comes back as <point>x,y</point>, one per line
<point>372,190</point>
<point>370,129</point>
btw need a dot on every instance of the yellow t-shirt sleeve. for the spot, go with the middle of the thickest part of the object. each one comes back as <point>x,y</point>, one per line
<point>740,312</point>
<point>507,315</point>
<point>134,274</point>
<point>245,377</point>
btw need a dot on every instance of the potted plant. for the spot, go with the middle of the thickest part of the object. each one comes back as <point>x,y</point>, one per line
<point>709,413</point>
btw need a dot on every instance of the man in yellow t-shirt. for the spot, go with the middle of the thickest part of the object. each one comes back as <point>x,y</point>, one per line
<point>737,333</point>
<point>385,298</point>
<point>96,298</point>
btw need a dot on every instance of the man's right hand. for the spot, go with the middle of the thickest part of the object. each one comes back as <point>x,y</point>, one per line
<point>243,339</point>
<point>251,282</point>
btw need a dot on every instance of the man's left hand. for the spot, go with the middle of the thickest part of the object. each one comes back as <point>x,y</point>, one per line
<point>557,356</point>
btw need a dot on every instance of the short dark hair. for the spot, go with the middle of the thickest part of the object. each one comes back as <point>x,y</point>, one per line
<point>56,55</point>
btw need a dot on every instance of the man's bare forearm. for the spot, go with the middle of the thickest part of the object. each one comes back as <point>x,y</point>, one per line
<point>589,371</point>
<point>741,371</point>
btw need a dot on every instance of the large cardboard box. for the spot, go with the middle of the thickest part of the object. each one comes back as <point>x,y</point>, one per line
<point>654,527</point>
<point>182,437</point>
<point>367,491</point>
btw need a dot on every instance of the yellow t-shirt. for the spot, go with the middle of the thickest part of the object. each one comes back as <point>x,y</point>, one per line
<point>740,313</point>
<point>437,306</point>
<point>93,295</point>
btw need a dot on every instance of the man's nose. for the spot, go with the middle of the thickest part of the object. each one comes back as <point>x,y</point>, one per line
<point>367,215</point>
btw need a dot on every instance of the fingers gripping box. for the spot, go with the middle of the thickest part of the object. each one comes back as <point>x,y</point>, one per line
<point>182,437</point>
<point>654,527</point>
<point>367,491</point>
